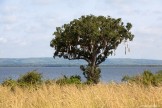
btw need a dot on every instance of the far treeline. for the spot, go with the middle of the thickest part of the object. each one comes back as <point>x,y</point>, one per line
<point>59,62</point>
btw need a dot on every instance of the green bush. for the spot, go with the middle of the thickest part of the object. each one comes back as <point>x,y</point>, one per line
<point>69,80</point>
<point>146,78</point>
<point>92,77</point>
<point>30,78</point>
<point>9,82</point>
<point>49,82</point>
<point>33,79</point>
<point>158,78</point>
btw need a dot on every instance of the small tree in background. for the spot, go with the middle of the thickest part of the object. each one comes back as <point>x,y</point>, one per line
<point>91,38</point>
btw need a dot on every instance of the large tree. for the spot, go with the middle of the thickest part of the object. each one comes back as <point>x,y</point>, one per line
<point>91,38</point>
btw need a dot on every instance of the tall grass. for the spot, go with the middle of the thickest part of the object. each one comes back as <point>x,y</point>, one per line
<point>82,96</point>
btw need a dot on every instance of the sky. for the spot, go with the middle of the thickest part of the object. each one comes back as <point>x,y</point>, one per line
<point>26,26</point>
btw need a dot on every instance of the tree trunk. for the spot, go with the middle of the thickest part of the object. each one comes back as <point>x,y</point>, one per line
<point>93,71</point>
<point>93,63</point>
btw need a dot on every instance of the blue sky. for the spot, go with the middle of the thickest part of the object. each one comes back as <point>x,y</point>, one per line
<point>26,26</point>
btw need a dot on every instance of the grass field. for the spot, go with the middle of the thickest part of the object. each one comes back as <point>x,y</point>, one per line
<point>70,96</point>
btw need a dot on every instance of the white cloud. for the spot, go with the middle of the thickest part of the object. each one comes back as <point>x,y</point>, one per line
<point>9,9</point>
<point>10,19</point>
<point>43,2</point>
<point>7,28</point>
<point>150,31</point>
<point>19,42</point>
<point>3,40</point>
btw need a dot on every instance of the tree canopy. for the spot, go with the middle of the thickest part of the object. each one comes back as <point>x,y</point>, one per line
<point>91,38</point>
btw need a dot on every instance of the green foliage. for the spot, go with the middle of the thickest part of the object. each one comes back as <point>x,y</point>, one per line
<point>69,80</point>
<point>49,82</point>
<point>91,76</point>
<point>30,78</point>
<point>34,79</point>
<point>146,78</point>
<point>9,82</point>
<point>158,78</point>
<point>91,38</point>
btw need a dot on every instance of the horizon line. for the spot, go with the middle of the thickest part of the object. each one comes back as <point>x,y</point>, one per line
<point>76,59</point>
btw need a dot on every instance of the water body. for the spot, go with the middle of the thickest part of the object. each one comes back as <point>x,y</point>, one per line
<point>109,73</point>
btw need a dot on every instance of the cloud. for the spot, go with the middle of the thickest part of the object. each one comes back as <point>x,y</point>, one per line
<point>150,31</point>
<point>42,2</point>
<point>19,42</point>
<point>10,9</point>
<point>29,24</point>
<point>10,19</point>
<point>3,40</point>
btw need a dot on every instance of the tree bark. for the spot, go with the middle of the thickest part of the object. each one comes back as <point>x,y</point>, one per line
<point>92,67</point>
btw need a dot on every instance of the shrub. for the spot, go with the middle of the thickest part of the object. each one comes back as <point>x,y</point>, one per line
<point>92,78</point>
<point>69,80</point>
<point>146,78</point>
<point>30,78</point>
<point>158,78</point>
<point>9,82</point>
<point>49,82</point>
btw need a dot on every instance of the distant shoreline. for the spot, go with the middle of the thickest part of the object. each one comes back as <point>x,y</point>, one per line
<point>79,66</point>
<point>60,62</point>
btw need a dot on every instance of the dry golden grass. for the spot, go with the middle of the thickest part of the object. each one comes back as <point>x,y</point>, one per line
<point>70,96</point>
